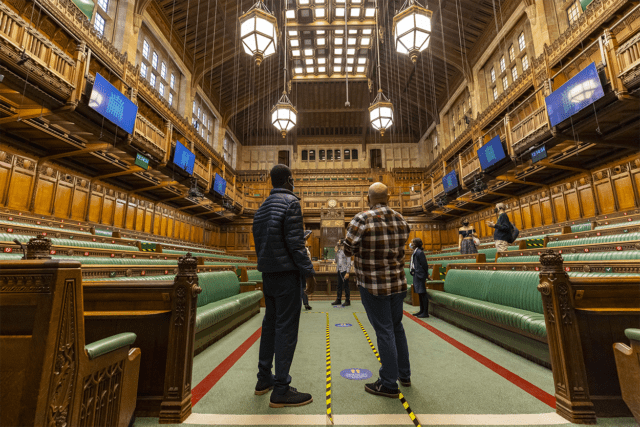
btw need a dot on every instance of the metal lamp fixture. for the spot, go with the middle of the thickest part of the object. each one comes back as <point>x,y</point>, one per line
<point>412,29</point>
<point>381,112</point>
<point>258,29</point>
<point>283,115</point>
<point>381,109</point>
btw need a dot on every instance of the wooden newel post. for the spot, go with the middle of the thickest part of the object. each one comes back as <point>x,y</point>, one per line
<point>565,348</point>
<point>176,403</point>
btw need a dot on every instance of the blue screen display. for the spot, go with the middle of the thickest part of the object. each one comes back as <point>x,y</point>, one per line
<point>491,153</point>
<point>112,104</point>
<point>538,154</point>
<point>184,158</point>
<point>580,91</point>
<point>219,185</point>
<point>450,181</point>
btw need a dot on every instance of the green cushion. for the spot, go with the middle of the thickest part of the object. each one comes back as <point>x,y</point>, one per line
<point>581,227</point>
<point>632,334</point>
<point>620,224</point>
<point>107,345</point>
<point>582,256</point>
<point>246,299</point>
<point>624,237</point>
<point>254,275</point>
<point>215,312</point>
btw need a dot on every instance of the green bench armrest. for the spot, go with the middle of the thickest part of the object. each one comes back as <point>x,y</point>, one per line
<point>632,334</point>
<point>109,344</point>
<point>248,283</point>
<point>434,281</point>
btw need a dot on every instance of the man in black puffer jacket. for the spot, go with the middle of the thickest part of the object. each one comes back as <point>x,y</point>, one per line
<point>282,258</point>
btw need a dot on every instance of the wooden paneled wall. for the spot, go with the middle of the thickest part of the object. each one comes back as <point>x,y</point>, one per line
<point>612,188</point>
<point>53,190</point>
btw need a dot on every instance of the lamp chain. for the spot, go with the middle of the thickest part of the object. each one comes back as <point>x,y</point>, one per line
<point>378,44</point>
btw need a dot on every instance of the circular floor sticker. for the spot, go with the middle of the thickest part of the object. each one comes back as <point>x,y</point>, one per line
<point>338,306</point>
<point>343,325</point>
<point>356,374</point>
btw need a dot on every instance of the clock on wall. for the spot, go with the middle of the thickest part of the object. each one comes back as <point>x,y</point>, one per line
<point>332,203</point>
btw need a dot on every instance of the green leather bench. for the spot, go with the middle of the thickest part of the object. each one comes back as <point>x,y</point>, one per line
<point>40,226</point>
<point>408,298</point>
<point>624,237</point>
<point>583,256</point>
<point>254,276</point>
<point>619,224</point>
<point>8,237</point>
<point>581,227</point>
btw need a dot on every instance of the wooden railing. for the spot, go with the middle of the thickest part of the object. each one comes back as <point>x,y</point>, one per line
<point>629,55</point>
<point>146,130</point>
<point>470,167</point>
<point>202,171</point>
<point>532,124</point>
<point>438,188</point>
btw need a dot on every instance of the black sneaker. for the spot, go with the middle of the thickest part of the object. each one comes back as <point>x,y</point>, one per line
<point>336,302</point>
<point>405,382</point>
<point>346,303</point>
<point>307,307</point>
<point>423,315</point>
<point>380,390</point>
<point>263,387</point>
<point>291,398</point>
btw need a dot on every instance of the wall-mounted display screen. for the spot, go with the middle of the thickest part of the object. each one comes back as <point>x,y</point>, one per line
<point>450,181</point>
<point>112,104</point>
<point>219,185</point>
<point>184,158</point>
<point>491,153</point>
<point>578,92</point>
<point>142,161</point>
<point>538,154</point>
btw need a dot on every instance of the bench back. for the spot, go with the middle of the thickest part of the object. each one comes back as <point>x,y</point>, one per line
<point>587,256</point>
<point>595,239</point>
<point>517,289</point>
<point>216,286</point>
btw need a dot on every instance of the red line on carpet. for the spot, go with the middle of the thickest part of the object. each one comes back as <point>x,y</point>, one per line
<point>214,376</point>
<point>525,385</point>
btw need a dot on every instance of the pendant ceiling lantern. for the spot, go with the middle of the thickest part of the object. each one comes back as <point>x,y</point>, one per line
<point>283,115</point>
<point>258,28</point>
<point>412,29</point>
<point>381,113</point>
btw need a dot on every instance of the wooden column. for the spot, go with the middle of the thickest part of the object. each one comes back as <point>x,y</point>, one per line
<point>565,348</point>
<point>176,403</point>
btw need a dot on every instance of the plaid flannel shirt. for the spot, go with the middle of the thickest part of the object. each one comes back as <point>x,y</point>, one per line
<point>376,239</point>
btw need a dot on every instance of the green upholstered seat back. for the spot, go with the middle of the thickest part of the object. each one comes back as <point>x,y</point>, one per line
<point>467,283</point>
<point>581,227</point>
<point>620,224</point>
<point>490,253</point>
<point>582,256</point>
<point>254,276</point>
<point>408,276</point>
<point>517,289</point>
<point>444,263</point>
<point>216,286</point>
<point>596,239</point>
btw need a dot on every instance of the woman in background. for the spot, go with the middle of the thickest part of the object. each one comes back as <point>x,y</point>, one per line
<point>466,233</point>
<point>303,282</point>
<point>420,271</point>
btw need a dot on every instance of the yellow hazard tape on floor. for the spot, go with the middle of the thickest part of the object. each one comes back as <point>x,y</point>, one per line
<point>328,361</point>
<point>404,402</point>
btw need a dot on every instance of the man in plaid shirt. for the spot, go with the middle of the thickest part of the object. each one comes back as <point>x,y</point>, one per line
<point>376,239</point>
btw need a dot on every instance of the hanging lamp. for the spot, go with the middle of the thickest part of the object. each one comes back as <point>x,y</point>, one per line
<point>412,29</point>
<point>258,29</point>
<point>381,109</point>
<point>283,114</point>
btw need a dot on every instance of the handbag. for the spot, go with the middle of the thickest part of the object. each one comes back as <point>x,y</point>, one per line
<point>476,241</point>
<point>514,233</point>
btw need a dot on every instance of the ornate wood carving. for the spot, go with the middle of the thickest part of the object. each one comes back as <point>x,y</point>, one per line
<point>569,375</point>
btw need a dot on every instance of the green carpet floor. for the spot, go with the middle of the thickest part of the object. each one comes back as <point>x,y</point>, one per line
<point>444,379</point>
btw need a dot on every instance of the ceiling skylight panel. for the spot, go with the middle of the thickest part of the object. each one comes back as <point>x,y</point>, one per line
<point>362,60</point>
<point>353,31</point>
<point>320,32</point>
<point>293,33</point>
<point>295,52</point>
<point>319,1</point>
<point>295,43</point>
<point>351,51</point>
<point>322,60</point>
<point>319,12</point>
<point>354,12</point>
<point>291,14</point>
<point>310,70</point>
<point>338,40</point>
<point>352,40</point>
<point>322,69</point>
<point>321,41</point>
<point>365,41</point>
<point>350,60</point>
<point>298,70</point>
<point>340,11</point>
<point>337,60</point>
<point>369,12</point>
<point>337,51</point>
<point>366,32</point>
<point>303,1</point>
<point>308,52</point>
<point>339,32</point>
<point>309,61</point>
<point>349,69</point>
<point>337,69</point>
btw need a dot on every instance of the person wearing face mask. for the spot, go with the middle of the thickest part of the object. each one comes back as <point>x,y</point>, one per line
<point>466,233</point>
<point>343,264</point>
<point>502,228</point>
<point>283,260</point>
<point>419,269</point>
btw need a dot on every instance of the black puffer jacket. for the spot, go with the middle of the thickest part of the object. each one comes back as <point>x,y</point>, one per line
<point>279,235</point>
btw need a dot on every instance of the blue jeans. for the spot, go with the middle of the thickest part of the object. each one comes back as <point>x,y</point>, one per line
<point>279,327</point>
<point>385,315</point>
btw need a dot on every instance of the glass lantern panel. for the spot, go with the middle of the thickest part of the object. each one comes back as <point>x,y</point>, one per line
<point>263,42</point>
<point>246,49</point>
<point>404,25</point>
<point>247,26</point>
<point>401,48</point>
<point>407,40</point>
<point>290,125</point>
<point>374,114</point>
<point>385,123</point>
<point>376,124</point>
<point>250,42</point>
<point>426,44</point>
<point>423,22</point>
<point>274,116</point>
<point>271,49</point>
<point>264,26</point>
<point>292,117</point>
<point>421,37</point>
<point>385,112</point>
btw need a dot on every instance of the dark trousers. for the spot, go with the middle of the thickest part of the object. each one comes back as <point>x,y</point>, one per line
<point>303,286</point>
<point>343,284</point>
<point>385,315</point>
<point>279,327</point>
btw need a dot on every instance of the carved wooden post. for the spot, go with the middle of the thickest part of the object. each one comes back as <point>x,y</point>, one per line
<point>565,348</point>
<point>176,403</point>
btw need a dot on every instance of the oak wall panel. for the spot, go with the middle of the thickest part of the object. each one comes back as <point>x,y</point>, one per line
<point>558,204</point>
<point>118,215</point>
<point>547,211</point>
<point>148,217</point>
<point>95,205</point>
<point>44,196</point>
<point>79,203</point>
<point>107,211</point>
<point>573,205</point>
<point>6,160</point>
<point>19,186</point>
<point>63,200</point>
<point>587,201</point>
<point>130,216</point>
<point>624,191</point>
<point>606,201</point>
<point>536,216</point>
<point>139,218</point>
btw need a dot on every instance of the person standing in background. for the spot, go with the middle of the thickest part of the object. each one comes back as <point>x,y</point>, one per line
<point>343,264</point>
<point>376,238</point>
<point>502,228</point>
<point>303,282</point>
<point>283,260</point>
<point>419,269</point>
<point>466,233</point>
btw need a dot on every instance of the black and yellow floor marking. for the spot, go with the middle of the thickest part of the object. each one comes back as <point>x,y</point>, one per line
<point>328,362</point>
<point>404,402</point>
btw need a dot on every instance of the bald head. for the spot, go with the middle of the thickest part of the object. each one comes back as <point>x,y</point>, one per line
<point>378,193</point>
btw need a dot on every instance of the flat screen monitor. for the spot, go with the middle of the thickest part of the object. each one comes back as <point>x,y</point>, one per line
<point>184,158</point>
<point>142,161</point>
<point>491,153</point>
<point>450,181</point>
<point>112,104</point>
<point>219,185</point>
<point>538,154</point>
<point>578,92</point>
